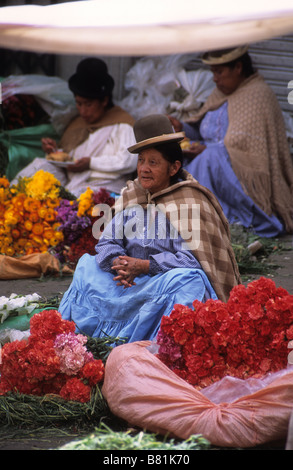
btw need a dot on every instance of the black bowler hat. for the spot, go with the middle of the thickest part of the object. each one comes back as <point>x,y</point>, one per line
<point>154,130</point>
<point>91,79</point>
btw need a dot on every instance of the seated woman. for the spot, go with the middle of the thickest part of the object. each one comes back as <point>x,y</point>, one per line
<point>96,140</point>
<point>241,151</point>
<point>167,243</point>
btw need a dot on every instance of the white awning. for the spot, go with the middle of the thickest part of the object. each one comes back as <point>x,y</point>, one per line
<point>136,28</point>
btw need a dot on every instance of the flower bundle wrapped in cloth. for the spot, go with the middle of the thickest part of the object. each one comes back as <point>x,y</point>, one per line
<point>221,370</point>
<point>53,360</point>
<point>42,225</point>
<point>246,337</point>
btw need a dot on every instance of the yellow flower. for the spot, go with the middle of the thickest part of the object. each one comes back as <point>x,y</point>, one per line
<point>43,185</point>
<point>9,251</point>
<point>11,217</point>
<point>85,203</point>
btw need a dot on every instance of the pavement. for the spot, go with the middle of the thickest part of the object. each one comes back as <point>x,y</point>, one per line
<point>281,272</point>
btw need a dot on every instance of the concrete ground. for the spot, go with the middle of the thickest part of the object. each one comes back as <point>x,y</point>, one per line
<point>281,272</point>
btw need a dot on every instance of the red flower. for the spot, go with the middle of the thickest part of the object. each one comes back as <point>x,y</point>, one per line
<point>48,324</point>
<point>33,366</point>
<point>93,372</point>
<point>289,333</point>
<point>246,337</point>
<point>75,390</point>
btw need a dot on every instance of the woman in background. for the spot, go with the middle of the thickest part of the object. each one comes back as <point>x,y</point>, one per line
<point>241,152</point>
<point>96,140</point>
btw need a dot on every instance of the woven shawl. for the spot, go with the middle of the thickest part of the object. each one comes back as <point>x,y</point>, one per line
<point>214,250</point>
<point>78,130</point>
<point>257,145</point>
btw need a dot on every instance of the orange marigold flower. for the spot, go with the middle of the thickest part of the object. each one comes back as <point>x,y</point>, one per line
<point>38,228</point>
<point>31,204</point>
<point>37,239</point>
<point>15,233</point>
<point>28,225</point>
<point>42,212</point>
<point>4,182</point>
<point>50,215</point>
<point>9,251</point>
<point>34,217</point>
<point>48,233</point>
<point>21,242</point>
<point>53,202</point>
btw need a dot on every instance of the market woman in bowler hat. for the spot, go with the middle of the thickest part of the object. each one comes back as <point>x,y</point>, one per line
<point>153,254</point>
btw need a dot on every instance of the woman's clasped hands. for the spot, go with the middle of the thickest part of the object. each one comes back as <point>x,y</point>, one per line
<point>128,268</point>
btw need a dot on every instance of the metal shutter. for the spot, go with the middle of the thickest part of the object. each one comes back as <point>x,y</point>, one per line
<point>274,60</point>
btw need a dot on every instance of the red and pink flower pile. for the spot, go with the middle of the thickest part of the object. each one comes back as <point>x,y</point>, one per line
<point>53,360</point>
<point>246,337</point>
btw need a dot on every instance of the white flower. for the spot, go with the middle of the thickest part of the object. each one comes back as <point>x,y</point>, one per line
<point>20,304</point>
<point>17,302</point>
<point>3,302</point>
<point>33,297</point>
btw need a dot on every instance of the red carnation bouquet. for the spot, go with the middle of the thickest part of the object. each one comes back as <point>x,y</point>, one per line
<point>246,337</point>
<point>54,360</point>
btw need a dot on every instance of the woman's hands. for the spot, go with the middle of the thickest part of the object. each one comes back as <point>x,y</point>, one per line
<point>194,150</point>
<point>82,164</point>
<point>128,268</point>
<point>49,145</point>
<point>175,123</point>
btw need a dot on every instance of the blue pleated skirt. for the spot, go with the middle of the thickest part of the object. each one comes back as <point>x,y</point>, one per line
<point>99,307</point>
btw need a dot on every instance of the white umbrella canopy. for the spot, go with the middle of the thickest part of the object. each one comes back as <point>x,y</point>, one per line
<point>135,28</point>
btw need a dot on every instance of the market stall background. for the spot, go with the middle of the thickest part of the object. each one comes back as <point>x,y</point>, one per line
<point>158,30</point>
<point>59,34</point>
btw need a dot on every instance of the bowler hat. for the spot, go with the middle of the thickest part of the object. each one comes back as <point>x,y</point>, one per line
<point>91,79</point>
<point>154,130</point>
<point>223,56</point>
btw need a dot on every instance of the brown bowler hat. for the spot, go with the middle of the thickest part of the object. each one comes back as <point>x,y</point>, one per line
<point>153,130</point>
<point>223,56</point>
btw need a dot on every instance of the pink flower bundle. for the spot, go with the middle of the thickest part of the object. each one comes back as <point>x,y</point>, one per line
<point>246,337</point>
<point>53,360</point>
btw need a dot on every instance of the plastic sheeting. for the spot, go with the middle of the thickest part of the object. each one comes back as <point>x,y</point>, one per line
<point>134,28</point>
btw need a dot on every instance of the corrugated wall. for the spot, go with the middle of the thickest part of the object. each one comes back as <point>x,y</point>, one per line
<point>274,60</point>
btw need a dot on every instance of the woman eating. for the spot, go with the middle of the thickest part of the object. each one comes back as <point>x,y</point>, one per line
<point>95,141</point>
<point>167,243</point>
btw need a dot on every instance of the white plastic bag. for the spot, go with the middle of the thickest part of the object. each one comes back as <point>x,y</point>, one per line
<point>9,335</point>
<point>151,83</point>
<point>198,84</point>
<point>52,93</point>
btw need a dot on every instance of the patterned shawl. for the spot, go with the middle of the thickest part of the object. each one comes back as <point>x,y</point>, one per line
<point>78,130</point>
<point>257,145</point>
<point>208,239</point>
